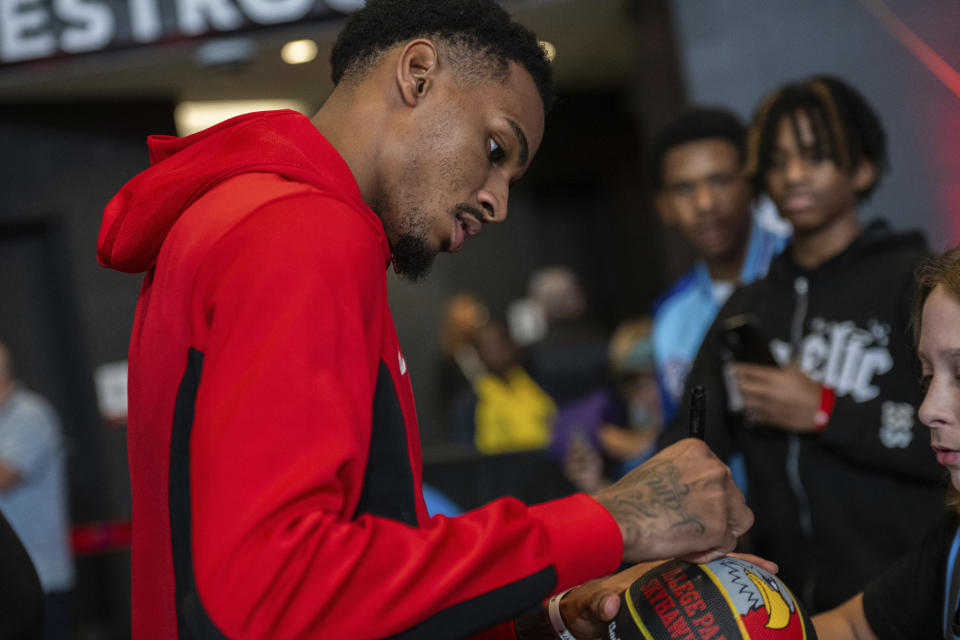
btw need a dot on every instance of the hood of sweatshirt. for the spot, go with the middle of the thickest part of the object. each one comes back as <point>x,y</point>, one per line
<point>137,219</point>
<point>877,237</point>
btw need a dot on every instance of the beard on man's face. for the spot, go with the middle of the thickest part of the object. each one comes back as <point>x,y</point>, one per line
<point>412,256</point>
<point>408,232</point>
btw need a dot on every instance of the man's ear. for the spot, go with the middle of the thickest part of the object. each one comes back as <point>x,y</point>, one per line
<point>416,70</point>
<point>864,176</point>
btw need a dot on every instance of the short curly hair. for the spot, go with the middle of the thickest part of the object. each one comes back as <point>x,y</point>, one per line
<point>466,27</point>
<point>846,129</point>
<point>694,125</point>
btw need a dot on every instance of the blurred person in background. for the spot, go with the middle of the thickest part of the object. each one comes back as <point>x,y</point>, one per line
<point>703,191</point>
<point>570,359</point>
<point>832,447</point>
<point>507,410</point>
<point>604,434</point>
<point>463,316</point>
<point>33,492</point>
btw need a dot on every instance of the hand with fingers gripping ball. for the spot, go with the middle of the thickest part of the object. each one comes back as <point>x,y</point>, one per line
<point>734,596</point>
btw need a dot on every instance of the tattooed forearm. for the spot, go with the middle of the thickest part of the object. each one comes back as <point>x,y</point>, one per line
<point>656,494</point>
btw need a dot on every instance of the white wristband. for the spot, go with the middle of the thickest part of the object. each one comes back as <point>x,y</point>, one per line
<point>553,612</point>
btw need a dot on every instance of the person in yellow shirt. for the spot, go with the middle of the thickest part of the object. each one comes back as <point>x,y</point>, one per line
<point>512,412</point>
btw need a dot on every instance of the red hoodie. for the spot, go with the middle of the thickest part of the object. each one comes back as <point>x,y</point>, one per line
<point>274,454</point>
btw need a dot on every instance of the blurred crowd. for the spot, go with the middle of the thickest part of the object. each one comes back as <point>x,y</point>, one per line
<point>793,321</point>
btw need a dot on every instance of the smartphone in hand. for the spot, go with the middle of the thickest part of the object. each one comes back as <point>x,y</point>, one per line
<point>743,341</point>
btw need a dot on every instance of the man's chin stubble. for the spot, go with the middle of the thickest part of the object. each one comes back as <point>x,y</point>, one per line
<point>412,257</point>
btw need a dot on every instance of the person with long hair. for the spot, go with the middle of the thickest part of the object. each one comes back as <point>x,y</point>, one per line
<point>917,596</point>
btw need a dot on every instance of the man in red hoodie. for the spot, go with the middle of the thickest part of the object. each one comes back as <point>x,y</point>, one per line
<point>274,453</point>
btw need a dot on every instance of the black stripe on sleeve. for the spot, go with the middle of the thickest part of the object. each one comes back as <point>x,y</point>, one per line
<point>192,619</point>
<point>486,610</point>
<point>388,492</point>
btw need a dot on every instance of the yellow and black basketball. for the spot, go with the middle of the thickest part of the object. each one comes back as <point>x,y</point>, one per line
<point>724,599</point>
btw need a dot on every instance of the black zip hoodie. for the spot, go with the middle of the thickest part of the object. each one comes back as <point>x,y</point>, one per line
<point>834,508</point>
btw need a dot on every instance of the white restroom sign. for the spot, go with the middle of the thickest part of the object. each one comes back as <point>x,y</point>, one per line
<point>37,29</point>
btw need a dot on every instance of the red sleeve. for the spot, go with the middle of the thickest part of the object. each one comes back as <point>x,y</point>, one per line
<point>288,313</point>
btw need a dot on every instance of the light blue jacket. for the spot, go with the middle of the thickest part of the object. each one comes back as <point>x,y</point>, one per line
<point>683,314</point>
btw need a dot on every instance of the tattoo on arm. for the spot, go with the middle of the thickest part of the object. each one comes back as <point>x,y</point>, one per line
<point>661,496</point>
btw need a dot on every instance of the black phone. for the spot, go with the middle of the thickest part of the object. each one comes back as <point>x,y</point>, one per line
<point>744,341</point>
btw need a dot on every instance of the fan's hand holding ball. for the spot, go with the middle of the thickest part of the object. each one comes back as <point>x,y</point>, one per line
<point>680,503</point>
<point>726,598</point>
<point>589,609</point>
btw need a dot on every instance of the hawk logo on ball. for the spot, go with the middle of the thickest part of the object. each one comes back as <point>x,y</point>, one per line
<point>778,611</point>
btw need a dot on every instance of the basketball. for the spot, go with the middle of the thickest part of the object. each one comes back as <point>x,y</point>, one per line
<point>727,598</point>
